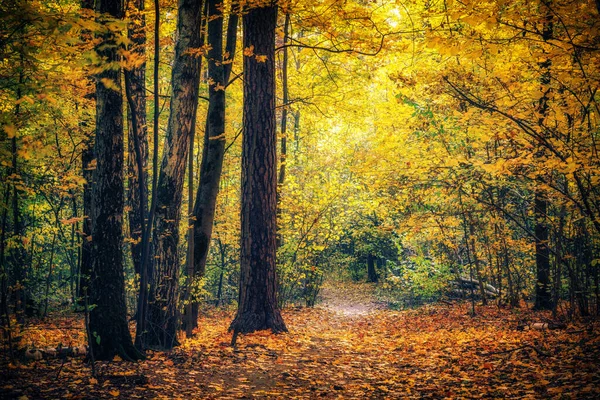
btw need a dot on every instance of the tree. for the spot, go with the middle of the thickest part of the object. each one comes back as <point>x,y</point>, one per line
<point>164,286</point>
<point>257,306</point>
<point>108,317</point>
<point>543,297</point>
<point>87,156</point>
<point>135,82</point>
<point>214,139</point>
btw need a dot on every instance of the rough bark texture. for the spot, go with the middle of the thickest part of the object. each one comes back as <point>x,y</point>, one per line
<point>257,306</point>
<point>214,138</point>
<point>164,294</point>
<point>108,318</point>
<point>136,82</point>
<point>543,297</point>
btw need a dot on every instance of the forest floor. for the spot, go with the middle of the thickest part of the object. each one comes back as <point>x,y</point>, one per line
<point>349,346</point>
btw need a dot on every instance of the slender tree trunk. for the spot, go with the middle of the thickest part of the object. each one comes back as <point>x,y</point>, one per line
<point>284,117</point>
<point>135,82</point>
<point>4,315</point>
<point>163,316</point>
<point>214,137</point>
<point>476,261</point>
<point>146,266</point>
<point>257,306</point>
<point>108,318</point>
<point>49,277</point>
<point>543,296</point>
<point>85,268</point>
<point>87,156</point>
<point>18,255</point>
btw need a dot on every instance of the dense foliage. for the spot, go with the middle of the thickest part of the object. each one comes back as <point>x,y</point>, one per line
<point>425,143</point>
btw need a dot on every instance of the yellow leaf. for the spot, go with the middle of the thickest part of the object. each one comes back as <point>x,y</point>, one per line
<point>10,130</point>
<point>114,393</point>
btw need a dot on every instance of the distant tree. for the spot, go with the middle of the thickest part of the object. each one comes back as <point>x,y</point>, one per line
<point>257,306</point>
<point>108,317</point>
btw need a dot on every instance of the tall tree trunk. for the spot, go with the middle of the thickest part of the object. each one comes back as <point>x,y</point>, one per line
<point>87,156</point>
<point>18,254</point>
<point>146,265</point>
<point>214,137</point>
<point>284,117</point>
<point>135,81</point>
<point>108,318</point>
<point>543,296</point>
<point>164,292</point>
<point>257,306</point>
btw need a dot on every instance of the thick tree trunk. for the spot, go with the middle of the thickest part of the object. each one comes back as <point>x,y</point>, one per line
<point>108,318</point>
<point>214,138</point>
<point>164,292</point>
<point>257,306</point>
<point>135,80</point>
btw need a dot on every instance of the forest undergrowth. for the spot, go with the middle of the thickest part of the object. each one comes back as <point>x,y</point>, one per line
<point>349,346</point>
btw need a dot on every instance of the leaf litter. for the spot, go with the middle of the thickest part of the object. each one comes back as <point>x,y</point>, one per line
<point>349,347</point>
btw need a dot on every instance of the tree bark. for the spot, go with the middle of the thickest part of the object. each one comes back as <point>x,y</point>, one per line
<point>543,296</point>
<point>135,81</point>
<point>284,117</point>
<point>164,291</point>
<point>87,156</point>
<point>257,306</point>
<point>18,255</point>
<point>108,318</point>
<point>214,137</point>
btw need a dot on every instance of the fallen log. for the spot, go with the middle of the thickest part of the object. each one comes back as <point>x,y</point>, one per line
<point>33,354</point>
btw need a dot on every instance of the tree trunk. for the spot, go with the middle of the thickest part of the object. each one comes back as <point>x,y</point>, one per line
<point>284,117</point>
<point>164,291</point>
<point>543,296</point>
<point>18,254</point>
<point>257,306</point>
<point>108,318</point>
<point>85,268</point>
<point>87,156</point>
<point>371,271</point>
<point>214,137</point>
<point>135,80</point>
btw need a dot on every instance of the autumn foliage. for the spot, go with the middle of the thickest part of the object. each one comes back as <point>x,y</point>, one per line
<point>167,163</point>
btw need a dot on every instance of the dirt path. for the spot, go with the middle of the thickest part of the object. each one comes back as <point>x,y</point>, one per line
<point>350,300</point>
<point>347,347</point>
